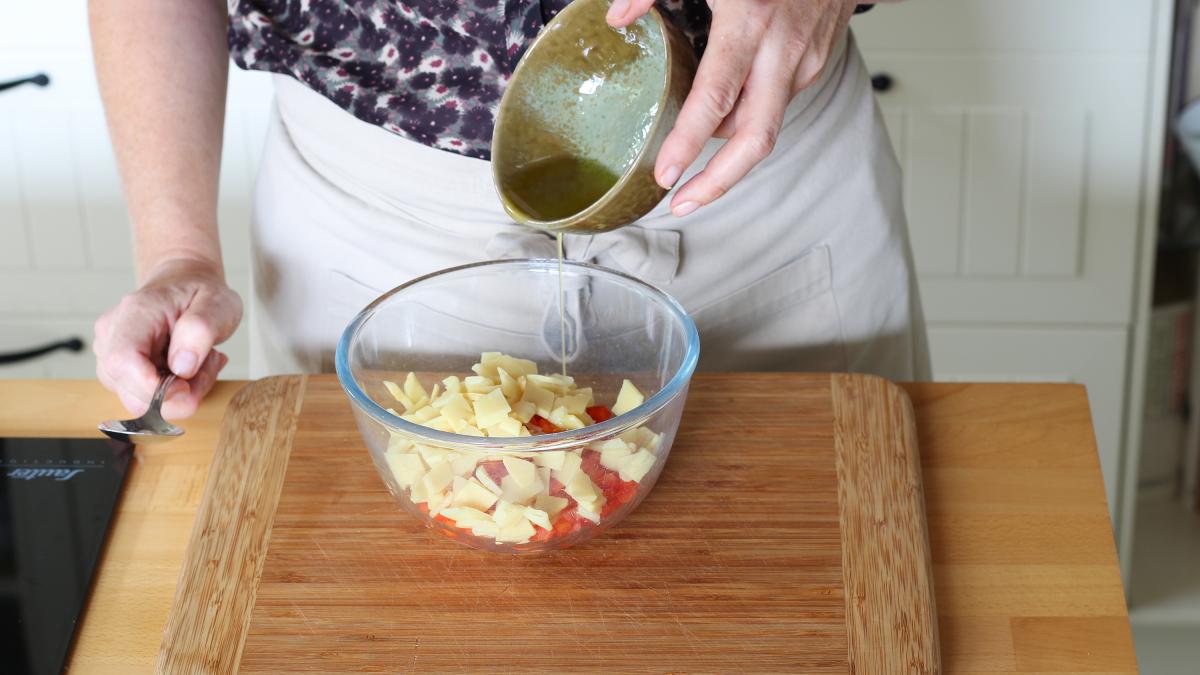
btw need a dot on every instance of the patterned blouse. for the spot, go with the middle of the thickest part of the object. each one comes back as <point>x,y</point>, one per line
<point>428,70</point>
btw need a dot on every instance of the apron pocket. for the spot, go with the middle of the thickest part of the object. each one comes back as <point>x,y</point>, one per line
<point>786,321</point>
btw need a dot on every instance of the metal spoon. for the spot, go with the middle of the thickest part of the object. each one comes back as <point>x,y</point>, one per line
<point>150,427</point>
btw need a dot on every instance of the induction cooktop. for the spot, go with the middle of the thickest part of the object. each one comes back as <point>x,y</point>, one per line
<point>57,498</point>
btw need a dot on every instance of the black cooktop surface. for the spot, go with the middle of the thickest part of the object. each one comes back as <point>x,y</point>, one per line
<point>57,498</point>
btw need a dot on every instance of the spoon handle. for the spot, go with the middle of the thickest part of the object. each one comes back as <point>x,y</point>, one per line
<point>164,383</point>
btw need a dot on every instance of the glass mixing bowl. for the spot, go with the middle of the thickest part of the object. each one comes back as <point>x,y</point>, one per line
<point>617,328</point>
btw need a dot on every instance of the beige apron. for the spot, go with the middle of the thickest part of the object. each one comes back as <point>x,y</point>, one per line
<point>803,265</point>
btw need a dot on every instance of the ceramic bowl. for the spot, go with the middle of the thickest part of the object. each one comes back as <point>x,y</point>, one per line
<point>583,117</point>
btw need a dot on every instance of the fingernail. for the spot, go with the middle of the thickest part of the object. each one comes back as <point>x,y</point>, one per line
<point>618,9</point>
<point>685,208</point>
<point>670,176</point>
<point>183,364</point>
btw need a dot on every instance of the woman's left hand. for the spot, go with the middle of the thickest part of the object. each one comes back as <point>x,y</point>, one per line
<point>760,54</point>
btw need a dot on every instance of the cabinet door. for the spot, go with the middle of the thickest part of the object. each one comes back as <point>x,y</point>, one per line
<point>1020,126</point>
<point>66,253</point>
<point>1092,357</point>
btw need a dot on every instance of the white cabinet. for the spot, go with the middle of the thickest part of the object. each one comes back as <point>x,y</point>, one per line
<point>1022,130</point>
<point>66,252</point>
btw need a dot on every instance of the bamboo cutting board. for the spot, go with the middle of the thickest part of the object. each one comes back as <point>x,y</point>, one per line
<point>786,534</point>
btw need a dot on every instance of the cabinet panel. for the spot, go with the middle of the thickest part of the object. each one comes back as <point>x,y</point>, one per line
<point>1022,180</point>
<point>1092,357</point>
<point>995,140</point>
<point>933,171</point>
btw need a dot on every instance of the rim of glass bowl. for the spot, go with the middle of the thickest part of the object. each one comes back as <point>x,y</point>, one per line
<point>543,442</point>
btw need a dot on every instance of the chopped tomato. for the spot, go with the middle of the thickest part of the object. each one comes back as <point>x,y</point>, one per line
<point>599,413</point>
<point>542,424</point>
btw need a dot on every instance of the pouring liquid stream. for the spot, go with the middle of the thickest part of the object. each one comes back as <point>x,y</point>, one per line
<point>562,320</point>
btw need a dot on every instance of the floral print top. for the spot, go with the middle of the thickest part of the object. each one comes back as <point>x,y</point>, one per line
<point>428,70</point>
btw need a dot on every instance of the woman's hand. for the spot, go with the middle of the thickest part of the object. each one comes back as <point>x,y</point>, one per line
<point>760,54</point>
<point>183,309</point>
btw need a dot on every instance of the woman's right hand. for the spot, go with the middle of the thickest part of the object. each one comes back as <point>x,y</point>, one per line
<point>182,309</point>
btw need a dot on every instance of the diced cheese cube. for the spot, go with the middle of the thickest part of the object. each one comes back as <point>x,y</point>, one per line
<point>509,427</point>
<point>565,382</point>
<point>463,464</point>
<point>574,403</point>
<point>550,458</point>
<point>559,417</point>
<point>613,453</point>
<point>508,385</point>
<point>438,478</point>
<point>467,429</point>
<point>395,390</point>
<point>483,529</point>
<point>421,415</point>
<point>516,534</point>
<point>552,506</point>
<point>491,409</point>
<point>413,389</point>
<point>591,514</point>
<point>538,517</point>
<point>628,399</point>
<point>648,439</point>
<point>571,463</point>
<point>455,407</point>
<point>583,490</point>
<point>486,481</point>
<point>523,411</point>
<point>521,471</point>
<point>438,502</point>
<point>417,493</point>
<point>398,443</point>
<point>507,513</point>
<point>453,385</point>
<point>399,394</point>
<point>636,466</point>
<point>541,398</point>
<point>546,382</point>
<point>406,467</point>
<point>440,423</point>
<point>479,385</point>
<point>474,495</point>
<point>492,361</point>
<point>465,513</point>
<point>432,455</point>
<point>511,491</point>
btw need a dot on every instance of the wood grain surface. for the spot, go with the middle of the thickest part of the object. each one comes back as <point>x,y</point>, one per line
<point>1025,571</point>
<point>887,578</point>
<point>211,611</point>
<point>736,562</point>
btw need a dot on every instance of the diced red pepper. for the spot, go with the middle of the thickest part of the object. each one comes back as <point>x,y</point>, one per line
<point>599,413</point>
<point>542,424</point>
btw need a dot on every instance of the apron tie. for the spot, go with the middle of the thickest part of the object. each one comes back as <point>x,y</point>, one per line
<point>649,254</point>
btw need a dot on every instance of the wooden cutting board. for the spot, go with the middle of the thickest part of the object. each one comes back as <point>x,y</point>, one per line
<point>786,534</point>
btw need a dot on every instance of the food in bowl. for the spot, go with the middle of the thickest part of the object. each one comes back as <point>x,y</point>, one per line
<point>437,325</point>
<point>517,498</point>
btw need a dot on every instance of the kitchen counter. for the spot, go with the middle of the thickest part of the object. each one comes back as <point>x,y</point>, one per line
<point>1025,570</point>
